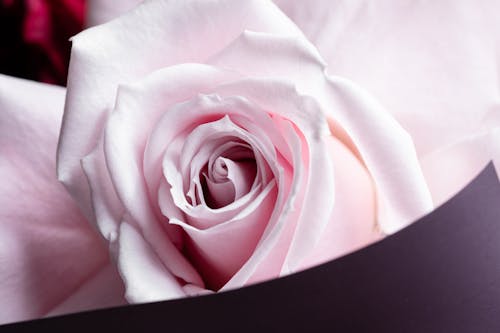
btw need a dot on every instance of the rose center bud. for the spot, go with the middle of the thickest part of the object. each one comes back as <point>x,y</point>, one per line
<point>228,177</point>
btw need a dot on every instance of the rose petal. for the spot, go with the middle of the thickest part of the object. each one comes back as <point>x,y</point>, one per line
<point>145,277</point>
<point>241,174</point>
<point>108,208</point>
<point>201,216</point>
<point>42,233</point>
<point>353,223</point>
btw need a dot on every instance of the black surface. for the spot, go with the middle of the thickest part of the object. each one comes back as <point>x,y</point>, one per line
<point>441,274</point>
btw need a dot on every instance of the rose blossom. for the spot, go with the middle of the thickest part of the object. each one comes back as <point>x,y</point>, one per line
<point>210,166</point>
<point>212,148</point>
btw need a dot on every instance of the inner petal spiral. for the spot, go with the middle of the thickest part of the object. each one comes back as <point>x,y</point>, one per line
<point>228,176</point>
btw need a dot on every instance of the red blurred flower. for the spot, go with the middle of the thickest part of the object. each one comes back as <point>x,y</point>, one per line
<point>34,35</point>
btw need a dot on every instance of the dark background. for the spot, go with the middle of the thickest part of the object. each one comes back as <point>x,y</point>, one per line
<point>34,37</point>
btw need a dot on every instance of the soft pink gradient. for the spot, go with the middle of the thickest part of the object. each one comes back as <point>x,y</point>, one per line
<point>48,251</point>
<point>313,134</point>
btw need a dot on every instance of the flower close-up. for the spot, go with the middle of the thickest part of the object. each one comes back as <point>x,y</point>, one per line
<point>203,146</point>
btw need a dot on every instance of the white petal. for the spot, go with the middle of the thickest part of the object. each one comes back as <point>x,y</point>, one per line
<point>146,278</point>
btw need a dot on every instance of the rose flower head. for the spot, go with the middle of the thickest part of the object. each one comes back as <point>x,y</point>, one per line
<point>212,149</point>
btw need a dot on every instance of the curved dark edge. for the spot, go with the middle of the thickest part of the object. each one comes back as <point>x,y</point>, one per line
<point>441,274</point>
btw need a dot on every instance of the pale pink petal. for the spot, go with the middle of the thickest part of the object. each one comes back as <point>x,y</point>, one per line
<point>47,248</point>
<point>386,148</point>
<point>433,65</point>
<point>108,209</point>
<point>241,174</point>
<point>388,153</point>
<point>154,35</point>
<point>102,11</point>
<point>202,217</point>
<point>353,223</point>
<point>146,278</point>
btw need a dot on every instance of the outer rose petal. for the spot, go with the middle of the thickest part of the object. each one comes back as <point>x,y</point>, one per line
<point>353,224</point>
<point>146,278</point>
<point>42,233</point>
<point>438,77</point>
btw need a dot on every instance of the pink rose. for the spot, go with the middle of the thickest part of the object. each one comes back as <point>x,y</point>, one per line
<point>211,165</point>
<point>213,145</point>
